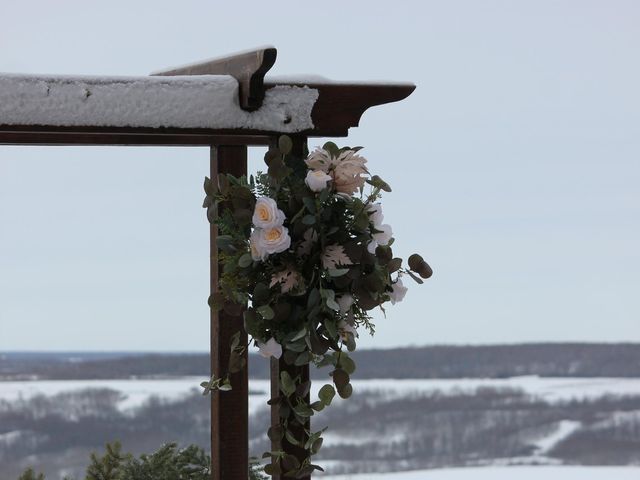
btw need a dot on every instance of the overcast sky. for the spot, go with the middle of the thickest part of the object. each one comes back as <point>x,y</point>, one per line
<point>515,167</point>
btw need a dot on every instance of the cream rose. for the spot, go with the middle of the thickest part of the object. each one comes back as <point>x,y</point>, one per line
<point>317,180</point>
<point>273,240</point>
<point>345,328</point>
<point>266,213</point>
<point>257,250</point>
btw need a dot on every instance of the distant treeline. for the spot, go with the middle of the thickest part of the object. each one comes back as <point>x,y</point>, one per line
<point>373,432</point>
<point>498,361</point>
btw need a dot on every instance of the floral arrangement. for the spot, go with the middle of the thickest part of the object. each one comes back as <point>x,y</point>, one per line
<point>305,256</point>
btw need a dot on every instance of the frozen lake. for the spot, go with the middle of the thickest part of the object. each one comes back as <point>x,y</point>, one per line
<point>506,473</point>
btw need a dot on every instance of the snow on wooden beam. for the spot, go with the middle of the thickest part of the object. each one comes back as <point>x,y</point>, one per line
<point>248,68</point>
<point>182,102</point>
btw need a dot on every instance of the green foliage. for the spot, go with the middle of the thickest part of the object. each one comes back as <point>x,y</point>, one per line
<point>30,474</point>
<point>305,254</point>
<point>110,465</point>
<point>168,463</point>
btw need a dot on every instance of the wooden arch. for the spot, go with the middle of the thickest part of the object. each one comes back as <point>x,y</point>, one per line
<point>30,114</point>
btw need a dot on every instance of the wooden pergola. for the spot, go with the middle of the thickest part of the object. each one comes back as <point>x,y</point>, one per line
<point>225,104</point>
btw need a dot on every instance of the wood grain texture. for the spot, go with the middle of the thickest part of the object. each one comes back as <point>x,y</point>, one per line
<point>248,68</point>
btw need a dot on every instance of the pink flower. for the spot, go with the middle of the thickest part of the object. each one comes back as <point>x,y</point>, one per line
<point>270,348</point>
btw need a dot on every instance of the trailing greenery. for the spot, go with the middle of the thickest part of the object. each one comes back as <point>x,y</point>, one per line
<point>168,463</point>
<point>304,249</point>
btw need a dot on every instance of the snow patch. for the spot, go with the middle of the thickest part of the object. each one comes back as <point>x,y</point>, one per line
<point>505,473</point>
<point>562,430</point>
<point>9,438</point>
<point>199,101</point>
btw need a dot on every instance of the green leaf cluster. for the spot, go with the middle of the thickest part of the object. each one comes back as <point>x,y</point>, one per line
<point>167,463</point>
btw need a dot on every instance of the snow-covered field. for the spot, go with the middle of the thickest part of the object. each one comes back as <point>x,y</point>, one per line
<point>136,391</point>
<point>506,473</point>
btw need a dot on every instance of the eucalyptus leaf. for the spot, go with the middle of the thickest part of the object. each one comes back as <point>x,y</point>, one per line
<point>417,279</point>
<point>340,378</point>
<point>331,328</point>
<point>290,438</point>
<point>316,446</point>
<point>310,204</point>
<point>394,265</point>
<point>290,462</point>
<point>345,391</point>
<point>209,186</point>
<point>260,292</point>
<point>326,394</point>
<point>287,386</point>
<point>285,144</point>
<point>299,346</point>
<point>338,272</point>
<point>303,359</point>
<point>414,261</point>
<point>245,260</point>
<point>313,298</point>
<point>225,387</point>
<point>266,312</point>
<point>299,335</point>
<point>346,363</point>
<point>303,410</point>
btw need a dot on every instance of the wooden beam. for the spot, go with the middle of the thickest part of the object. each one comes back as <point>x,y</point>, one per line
<point>338,108</point>
<point>229,410</point>
<point>106,136</point>
<point>249,68</point>
<point>341,105</point>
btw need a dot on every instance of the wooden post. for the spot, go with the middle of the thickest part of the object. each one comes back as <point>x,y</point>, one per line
<point>229,410</point>
<point>277,366</point>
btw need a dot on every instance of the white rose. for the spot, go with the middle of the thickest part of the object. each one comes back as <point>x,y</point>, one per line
<point>319,159</point>
<point>384,235</point>
<point>257,249</point>
<point>398,293</point>
<point>375,214</point>
<point>273,240</point>
<point>266,213</point>
<point>345,328</point>
<point>317,180</point>
<point>371,247</point>
<point>345,301</point>
<point>270,349</point>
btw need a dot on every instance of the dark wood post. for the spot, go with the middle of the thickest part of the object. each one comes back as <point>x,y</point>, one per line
<point>229,410</point>
<point>277,366</point>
